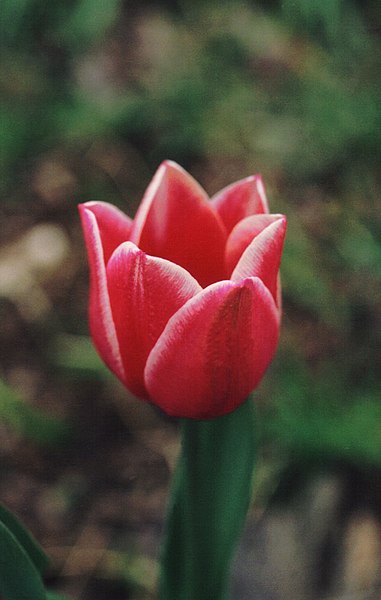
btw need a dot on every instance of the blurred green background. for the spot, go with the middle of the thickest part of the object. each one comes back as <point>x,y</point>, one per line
<point>94,95</point>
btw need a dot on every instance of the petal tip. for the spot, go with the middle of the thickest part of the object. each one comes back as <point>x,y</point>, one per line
<point>83,207</point>
<point>171,164</point>
<point>170,167</point>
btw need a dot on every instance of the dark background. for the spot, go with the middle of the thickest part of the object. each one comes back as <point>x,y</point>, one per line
<point>94,95</point>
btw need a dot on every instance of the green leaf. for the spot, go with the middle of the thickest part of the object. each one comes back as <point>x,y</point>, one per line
<point>211,494</point>
<point>19,579</point>
<point>25,539</point>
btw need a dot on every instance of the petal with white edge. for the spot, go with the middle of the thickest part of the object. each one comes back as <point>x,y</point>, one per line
<point>145,291</point>
<point>214,350</point>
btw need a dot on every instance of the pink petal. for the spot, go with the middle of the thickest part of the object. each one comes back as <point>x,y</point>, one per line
<point>239,200</point>
<point>101,322</point>
<point>243,234</point>
<point>262,257</point>
<point>114,226</point>
<point>214,350</point>
<point>145,292</point>
<point>175,221</point>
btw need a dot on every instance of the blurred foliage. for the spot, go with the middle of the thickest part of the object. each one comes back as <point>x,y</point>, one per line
<point>29,421</point>
<point>95,95</point>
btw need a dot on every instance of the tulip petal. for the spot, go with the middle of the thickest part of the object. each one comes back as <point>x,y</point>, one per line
<point>239,200</point>
<point>214,350</point>
<point>262,257</point>
<point>114,226</point>
<point>175,221</point>
<point>101,322</point>
<point>243,234</point>
<point>145,291</point>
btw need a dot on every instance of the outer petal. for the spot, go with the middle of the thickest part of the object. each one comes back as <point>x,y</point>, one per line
<point>241,199</point>
<point>175,221</point>
<point>145,292</point>
<point>262,257</point>
<point>214,350</point>
<point>114,226</point>
<point>243,234</point>
<point>101,322</point>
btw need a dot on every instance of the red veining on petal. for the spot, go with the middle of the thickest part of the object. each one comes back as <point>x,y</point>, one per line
<point>214,350</point>
<point>223,351</point>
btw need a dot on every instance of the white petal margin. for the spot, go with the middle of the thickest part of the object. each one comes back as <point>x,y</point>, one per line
<point>101,322</point>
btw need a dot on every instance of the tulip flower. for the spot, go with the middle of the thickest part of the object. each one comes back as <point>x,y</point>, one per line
<point>184,298</point>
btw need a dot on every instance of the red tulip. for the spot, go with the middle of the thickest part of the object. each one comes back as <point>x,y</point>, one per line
<point>184,299</point>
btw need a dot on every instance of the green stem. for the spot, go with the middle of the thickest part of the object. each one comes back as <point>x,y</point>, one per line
<point>209,501</point>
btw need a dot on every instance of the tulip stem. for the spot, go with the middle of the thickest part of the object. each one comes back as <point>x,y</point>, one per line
<point>209,500</point>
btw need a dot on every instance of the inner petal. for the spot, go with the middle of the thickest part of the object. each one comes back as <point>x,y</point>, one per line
<point>243,234</point>
<point>262,257</point>
<point>239,200</point>
<point>176,221</point>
